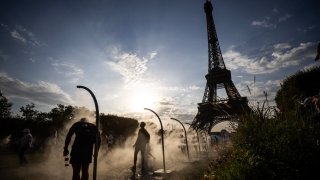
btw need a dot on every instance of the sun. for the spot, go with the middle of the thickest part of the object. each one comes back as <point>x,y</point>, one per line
<point>142,98</point>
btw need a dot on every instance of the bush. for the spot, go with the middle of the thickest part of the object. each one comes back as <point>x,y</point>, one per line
<point>297,87</point>
<point>120,127</point>
<point>279,147</point>
<point>269,144</point>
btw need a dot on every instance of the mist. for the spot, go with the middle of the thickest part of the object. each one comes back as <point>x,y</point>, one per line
<point>113,163</point>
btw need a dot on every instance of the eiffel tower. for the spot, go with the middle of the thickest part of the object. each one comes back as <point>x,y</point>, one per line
<point>213,109</point>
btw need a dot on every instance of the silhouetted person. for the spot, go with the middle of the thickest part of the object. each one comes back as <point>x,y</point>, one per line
<point>110,141</point>
<point>25,143</point>
<point>140,145</point>
<point>182,144</point>
<point>318,52</point>
<point>87,135</point>
<point>195,143</point>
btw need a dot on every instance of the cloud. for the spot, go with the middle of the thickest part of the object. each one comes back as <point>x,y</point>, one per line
<point>263,23</point>
<point>41,91</point>
<point>67,69</point>
<point>194,87</point>
<point>32,60</point>
<point>257,90</point>
<point>153,54</point>
<point>21,34</point>
<point>179,88</point>
<point>266,22</point>
<point>284,18</point>
<point>310,66</point>
<point>181,104</point>
<point>309,28</point>
<point>184,107</point>
<point>281,57</point>
<point>31,37</point>
<point>17,36</point>
<point>168,108</point>
<point>281,46</point>
<point>166,101</point>
<point>129,65</point>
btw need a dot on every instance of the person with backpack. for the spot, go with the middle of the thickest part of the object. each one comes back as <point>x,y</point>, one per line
<point>140,145</point>
<point>87,135</point>
<point>24,144</point>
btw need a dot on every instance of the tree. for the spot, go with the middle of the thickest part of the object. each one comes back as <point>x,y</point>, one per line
<point>29,112</point>
<point>5,107</point>
<point>42,116</point>
<point>61,115</point>
<point>118,126</point>
<point>297,87</point>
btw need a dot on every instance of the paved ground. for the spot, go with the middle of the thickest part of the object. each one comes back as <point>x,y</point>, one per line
<point>40,169</point>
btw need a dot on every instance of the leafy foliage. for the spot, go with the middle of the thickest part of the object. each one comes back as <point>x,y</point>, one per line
<point>61,115</point>
<point>29,112</point>
<point>5,107</point>
<point>43,125</point>
<point>298,86</point>
<point>272,148</point>
<point>283,146</point>
<point>119,127</point>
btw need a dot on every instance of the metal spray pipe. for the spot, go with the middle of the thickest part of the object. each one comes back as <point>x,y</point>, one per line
<point>185,134</point>
<point>96,150</point>
<point>162,139</point>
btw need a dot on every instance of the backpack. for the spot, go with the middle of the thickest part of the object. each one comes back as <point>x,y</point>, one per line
<point>86,132</point>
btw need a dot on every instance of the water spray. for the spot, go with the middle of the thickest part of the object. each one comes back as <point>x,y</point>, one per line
<point>185,134</point>
<point>197,135</point>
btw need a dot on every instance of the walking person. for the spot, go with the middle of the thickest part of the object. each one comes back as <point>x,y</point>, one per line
<point>25,143</point>
<point>182,145</point>
<point>141,145</point>
<point>110,141</point>
<point>87,135</point>
<point>195,143</point>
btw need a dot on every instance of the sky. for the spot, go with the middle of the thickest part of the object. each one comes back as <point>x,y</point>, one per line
<point>148,53</point>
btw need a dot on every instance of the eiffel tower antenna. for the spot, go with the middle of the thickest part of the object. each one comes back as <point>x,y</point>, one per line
<point>213,110</point>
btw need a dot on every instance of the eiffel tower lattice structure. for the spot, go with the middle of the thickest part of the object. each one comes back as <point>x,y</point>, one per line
<point>213,109</point>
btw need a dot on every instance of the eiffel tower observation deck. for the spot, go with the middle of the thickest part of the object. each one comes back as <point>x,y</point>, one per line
<point>213,109</point>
